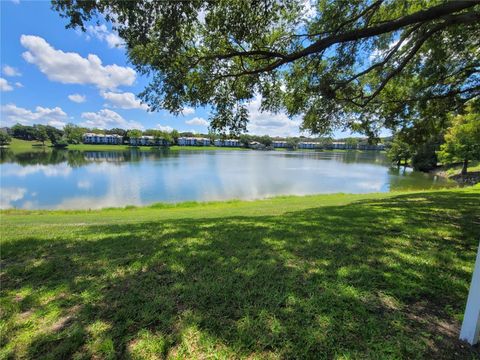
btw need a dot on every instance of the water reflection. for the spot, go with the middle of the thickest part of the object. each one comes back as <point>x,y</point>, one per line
<point>96,179</point>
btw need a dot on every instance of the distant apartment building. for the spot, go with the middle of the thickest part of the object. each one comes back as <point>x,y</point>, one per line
<point>371,147</point>
<point>307,145</point>
<point>337,145</point>
<point>144,140</point>
<point>113,139</point>
<point>147,140</point>
<point>279,144</point>
<point>227,143</point>
<point>193,141</point>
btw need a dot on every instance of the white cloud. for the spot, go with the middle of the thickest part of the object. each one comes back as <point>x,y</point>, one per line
<point>164,128</point>
<point>126,100</point>
<point>377,54</point>
<point>309,10</point>
<point>18,84</point>
<point>11,71</point>
<point>16,2</point>
<point>71,68</point>
<point>188,111</point>
<point>9,195</point>
<point>14,114</point>
<point>101,33</point>
<point>106,119</point>
<point>78,98</point>
<point>197,121</point>
<point>62,169</point>
<point>268,123</point>
<point>84,184</point>
<point>4,85</point>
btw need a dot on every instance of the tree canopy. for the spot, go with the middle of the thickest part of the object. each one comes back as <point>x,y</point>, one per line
<point>134,134</point>
<point>5,139</point>
<point>358,64</point>
<point>462,140</point>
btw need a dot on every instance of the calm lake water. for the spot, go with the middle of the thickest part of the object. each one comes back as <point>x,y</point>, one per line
<point>97,179</point>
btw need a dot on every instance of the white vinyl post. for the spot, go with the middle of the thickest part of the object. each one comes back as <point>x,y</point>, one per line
<point>471,320</point>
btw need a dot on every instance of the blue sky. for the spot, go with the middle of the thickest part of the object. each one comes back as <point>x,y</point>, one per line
<point>53,75</point>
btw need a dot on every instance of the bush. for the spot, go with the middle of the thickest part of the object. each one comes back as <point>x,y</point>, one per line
<point>5,139</point>
<point>62,143</point>
<point>425,157</point>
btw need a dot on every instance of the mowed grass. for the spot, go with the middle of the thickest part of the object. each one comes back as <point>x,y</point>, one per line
<point>379,276</point>
<point>18,145</point>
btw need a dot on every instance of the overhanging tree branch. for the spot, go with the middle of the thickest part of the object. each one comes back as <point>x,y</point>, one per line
<point>423,16</point>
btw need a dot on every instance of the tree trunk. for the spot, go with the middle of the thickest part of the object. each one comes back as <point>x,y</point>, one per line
<point>464,167</point>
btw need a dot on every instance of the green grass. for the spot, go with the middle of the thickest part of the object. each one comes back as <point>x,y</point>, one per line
<point>18,145</point>
<point>473,166</point>
<point>379,276</point>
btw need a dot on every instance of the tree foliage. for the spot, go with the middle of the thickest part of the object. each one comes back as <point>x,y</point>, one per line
<point>134,134</point>
<point>359,64</point>
<point>5,139</point>
<point>462,140</point>
<point>424,157</point>
<point>399,151</point>
<point>74,133</point>
<point>23,132</point>
<point>41,133</point>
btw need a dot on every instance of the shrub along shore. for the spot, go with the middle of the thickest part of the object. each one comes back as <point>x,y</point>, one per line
<point>334,276</point>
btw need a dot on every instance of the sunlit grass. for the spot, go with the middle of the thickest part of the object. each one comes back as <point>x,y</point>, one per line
<point>18,145</point>
<point>330,276</point>
<point>473,166</point>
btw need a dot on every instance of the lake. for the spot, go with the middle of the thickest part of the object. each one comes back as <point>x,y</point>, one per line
<point>62,179</point>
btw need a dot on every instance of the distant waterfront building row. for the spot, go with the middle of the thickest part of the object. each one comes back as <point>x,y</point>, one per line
<point>90,138</point>
<point>307,145</point>
<point>145,140</point>
<point>228,143</point>
<point>333,146</point>
<point>193,141</point>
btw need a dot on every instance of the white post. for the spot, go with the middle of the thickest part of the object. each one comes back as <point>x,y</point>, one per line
<point>471,320</point>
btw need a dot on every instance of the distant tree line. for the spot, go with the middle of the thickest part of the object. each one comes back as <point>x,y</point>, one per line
<point>73,134</point>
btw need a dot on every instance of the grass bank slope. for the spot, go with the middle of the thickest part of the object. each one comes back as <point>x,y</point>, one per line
<point>333,276</point>
<point>18,145</point>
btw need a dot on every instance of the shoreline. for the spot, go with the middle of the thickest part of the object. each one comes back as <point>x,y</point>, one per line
<point>452,172</point>
<point>317,199</point>
<point>18,145</point>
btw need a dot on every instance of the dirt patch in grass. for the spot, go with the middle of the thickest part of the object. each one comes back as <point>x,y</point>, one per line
<point>66,320</point>
<point>444,342</point>
<point>471,178</point>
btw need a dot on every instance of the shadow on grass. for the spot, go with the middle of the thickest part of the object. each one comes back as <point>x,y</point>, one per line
<point>384,278</point>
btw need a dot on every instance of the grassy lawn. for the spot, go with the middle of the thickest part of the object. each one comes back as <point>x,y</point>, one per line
<point>331,276</point>
<point>18,145</point>
<point>473,166</point>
